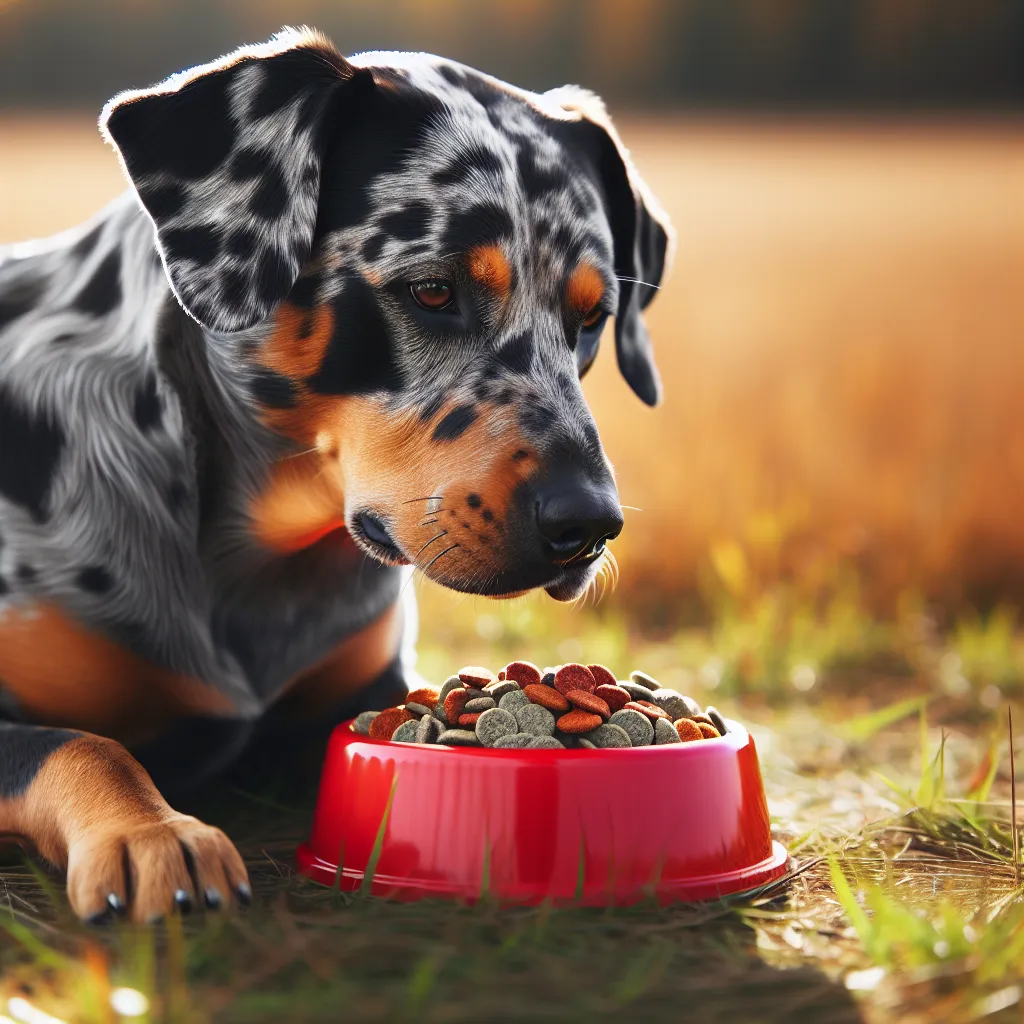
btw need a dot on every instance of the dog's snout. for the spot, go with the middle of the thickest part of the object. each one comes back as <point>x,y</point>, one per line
<point>576,517</point>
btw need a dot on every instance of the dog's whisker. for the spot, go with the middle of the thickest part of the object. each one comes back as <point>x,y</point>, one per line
<point>636,280</point>
<point>429,497</point>
<point>436,557</point>
<point>428,522</point>
<point>632,508</point>
<point>443,533</point>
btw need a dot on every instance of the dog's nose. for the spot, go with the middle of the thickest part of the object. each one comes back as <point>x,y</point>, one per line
<point>576,517</point>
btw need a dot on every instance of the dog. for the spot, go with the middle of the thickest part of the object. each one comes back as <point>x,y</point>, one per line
<point>334,331</point>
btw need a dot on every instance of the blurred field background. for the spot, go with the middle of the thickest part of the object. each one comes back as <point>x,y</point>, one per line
<point>830,534</point>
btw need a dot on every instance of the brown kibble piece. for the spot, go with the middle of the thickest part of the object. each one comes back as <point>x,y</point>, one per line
<point>427,696</point>
<point>645,707</point>
<point>702,719</point>
<point>476,675</point>
<point>688,730</point>
<point>614,696</point>
<point>454,703</point>
<point>577,721</point>
<point>602,676</point>
<point>384,725</point>
<point>546,697</point>
<point>574,677</point>
<point>588,702</point>
<point>525,673</point>
<point>709,732</point>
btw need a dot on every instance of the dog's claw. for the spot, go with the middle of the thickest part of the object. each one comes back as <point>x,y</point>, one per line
<point>244,895</point>
<point>213,898</point>
<point>183,901</point>
<point>116,904</point>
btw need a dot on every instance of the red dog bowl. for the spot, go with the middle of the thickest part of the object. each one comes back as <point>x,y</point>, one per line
<point>678,822</point>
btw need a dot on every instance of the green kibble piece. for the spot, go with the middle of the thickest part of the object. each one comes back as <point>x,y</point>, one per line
<point>545,742</point>
<point>674,703</point>
<point>607,736</point>
<point>417,709</point>
<point>638,727</point>
<point>498,690</point>
<point>362,723</point>
<point>537,721</point>
<point>636,691</point>
<point>480,704</point>
<point>406,732</point>
<point>451,683</point>
<point>493,724</point>
<point>585,743</point>
<point>513,701</point>
<point>665,732</point>
<point>473,693</point>
<point>459,738</point>
<point>643,679</point>
<point>516,741</point>
<point>428,729</point>
<point>717,720</point>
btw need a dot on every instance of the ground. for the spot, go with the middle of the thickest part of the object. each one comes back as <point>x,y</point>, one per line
<point>842,435</point>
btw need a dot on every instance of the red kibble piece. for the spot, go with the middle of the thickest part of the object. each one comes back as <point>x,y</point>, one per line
<point>426,695</point>
<point>384,725</point>
<point>538,693</point>
<point>468,721</point>
<point>614,696</point>
<point>588,702</point>
<point>578,721</point>
<point>454,703</point>
<point>709,732</point>
<point>501,676</point>
<point>525,673</point>
<point>602,676</point>
<point>688,730</point>
<point>475,675</point>
<point>645,707</point>
<point>574,677</point>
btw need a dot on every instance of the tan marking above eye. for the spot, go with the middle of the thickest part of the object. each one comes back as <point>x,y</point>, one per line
<point>585,288</point>
<point>489,266</point>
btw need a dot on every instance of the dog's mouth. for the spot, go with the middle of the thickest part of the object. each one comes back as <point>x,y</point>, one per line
<point>373,535</point>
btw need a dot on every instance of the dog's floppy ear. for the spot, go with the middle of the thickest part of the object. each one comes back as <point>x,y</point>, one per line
<point>641,231</point>
<point>226,160</point>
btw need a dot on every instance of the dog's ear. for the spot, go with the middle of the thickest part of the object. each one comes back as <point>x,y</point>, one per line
<point>226,160</point>
<point>641,231</point>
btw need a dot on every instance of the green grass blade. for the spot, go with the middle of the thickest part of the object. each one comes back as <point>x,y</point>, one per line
<point>366,885</point>
<point>854,911</point>
<point>863,727</point>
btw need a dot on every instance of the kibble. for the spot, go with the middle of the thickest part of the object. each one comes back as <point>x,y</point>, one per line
<point>546,697</point>
<point>638,727</point>
<point>494,725</point>
<point>574,706</point>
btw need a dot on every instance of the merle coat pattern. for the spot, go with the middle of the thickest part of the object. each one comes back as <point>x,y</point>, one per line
<point>336,328</point>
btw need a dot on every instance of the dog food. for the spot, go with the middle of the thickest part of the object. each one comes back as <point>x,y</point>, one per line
<point>572,706</point>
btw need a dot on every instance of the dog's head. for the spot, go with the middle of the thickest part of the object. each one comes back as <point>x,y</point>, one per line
<point>421,260</point>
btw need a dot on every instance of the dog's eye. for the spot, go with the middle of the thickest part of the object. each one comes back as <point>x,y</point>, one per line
<point>593,318</point>
<point>432,294</point>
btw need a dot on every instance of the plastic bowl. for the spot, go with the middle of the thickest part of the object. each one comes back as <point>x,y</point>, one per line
<point>677,822</point>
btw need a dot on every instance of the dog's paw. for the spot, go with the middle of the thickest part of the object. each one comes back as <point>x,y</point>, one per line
<point>144,869</point>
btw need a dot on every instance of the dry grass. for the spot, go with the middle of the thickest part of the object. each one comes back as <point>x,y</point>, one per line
<point>839,345</point>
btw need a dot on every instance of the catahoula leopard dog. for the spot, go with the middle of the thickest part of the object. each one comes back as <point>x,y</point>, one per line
<point>334,329</point>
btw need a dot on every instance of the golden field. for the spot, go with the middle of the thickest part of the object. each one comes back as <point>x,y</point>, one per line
<point>840,343</point>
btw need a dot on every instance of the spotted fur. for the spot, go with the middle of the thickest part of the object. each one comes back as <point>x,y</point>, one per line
<point>227,422</point>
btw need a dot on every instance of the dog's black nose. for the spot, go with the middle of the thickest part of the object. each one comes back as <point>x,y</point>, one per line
<point>576,516</point>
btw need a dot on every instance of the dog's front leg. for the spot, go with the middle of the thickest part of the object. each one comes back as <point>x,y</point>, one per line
<point>88,807</point>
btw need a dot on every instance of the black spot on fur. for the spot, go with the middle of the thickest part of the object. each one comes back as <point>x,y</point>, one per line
<point>103,291</point>
<point>519,454</point>
<point>506,396</point>
<point>273,390</point>
<point>148,410</point>
<point>164,201</point>
<point>176,496</point>
<point>479,224</point>
<point>359,358</point>
<point>94,579</point>
<point>271,196</point>
<point>456,423</point>
<point>243,242</point>
<point>274,276</point>
<point>474,501</point>
<point>200,243</point>
<point>536,417</point>
<point>487,95</point>
<point>247,163</point>
<point>566,384</point>
<point>477,159</point>
<point>433,407</point>
<point>187,134</point>
<point>20,299</point>
<point>273,92</point>
<point>5,587</point>
<point>452,75</point>
<point>63,338</point>
<point>304,291</point>
<point>87,242</point>
<point>31,449</point>
<point>373,247</point>
<point>23,749</point>
<point>26,573</point>
<point>537,182</point>
<point>488,515</point>
<point>408,223</point>
<point>516,354</point>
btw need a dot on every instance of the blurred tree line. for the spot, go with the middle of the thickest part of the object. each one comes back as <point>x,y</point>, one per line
<point>772,54</point>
